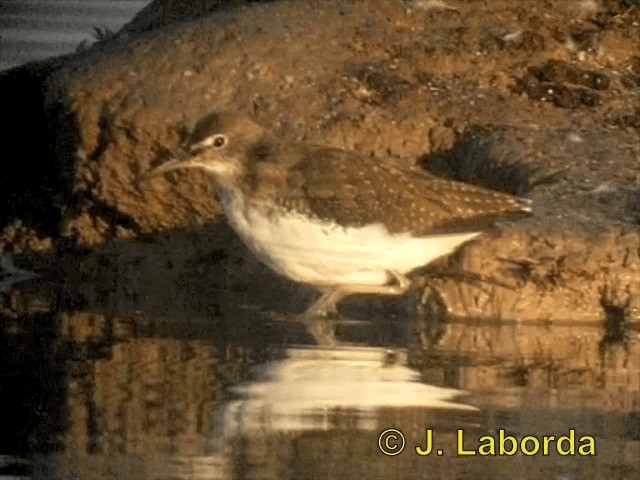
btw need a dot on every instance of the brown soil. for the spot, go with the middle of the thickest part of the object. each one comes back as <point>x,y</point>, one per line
<point>535,98</point>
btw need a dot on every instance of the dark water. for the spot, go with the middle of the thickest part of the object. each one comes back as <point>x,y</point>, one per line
<point>87,393</point>
<point>36,29</point>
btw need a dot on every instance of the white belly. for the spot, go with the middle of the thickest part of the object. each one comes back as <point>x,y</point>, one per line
<point>321,253</point>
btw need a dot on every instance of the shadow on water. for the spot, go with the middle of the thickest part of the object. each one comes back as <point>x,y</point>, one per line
<point>91,392</point>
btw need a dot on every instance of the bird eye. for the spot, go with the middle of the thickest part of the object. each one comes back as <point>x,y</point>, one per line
<point>219,140</point>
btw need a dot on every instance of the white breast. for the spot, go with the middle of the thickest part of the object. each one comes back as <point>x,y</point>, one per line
<point>322,253</point>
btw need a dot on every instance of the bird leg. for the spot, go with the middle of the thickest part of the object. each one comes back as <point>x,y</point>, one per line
<point>315,317</point>
<point>328,301</point>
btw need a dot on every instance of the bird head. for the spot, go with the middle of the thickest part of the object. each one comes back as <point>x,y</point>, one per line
<point>221,144</point>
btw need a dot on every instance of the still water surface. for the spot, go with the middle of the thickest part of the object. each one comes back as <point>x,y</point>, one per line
<point>36,29</point>
<point>88,394</point>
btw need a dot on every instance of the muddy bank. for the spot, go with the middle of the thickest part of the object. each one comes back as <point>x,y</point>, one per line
<point>536,99</point>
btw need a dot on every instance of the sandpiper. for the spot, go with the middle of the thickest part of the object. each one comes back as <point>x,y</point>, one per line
<point>338,220</point>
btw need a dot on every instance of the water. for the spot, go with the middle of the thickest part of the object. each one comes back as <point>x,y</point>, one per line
<point>36,29</point>
<point>89,393</point>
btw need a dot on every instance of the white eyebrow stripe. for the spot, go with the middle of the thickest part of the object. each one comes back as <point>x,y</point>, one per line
<point>207,142</point>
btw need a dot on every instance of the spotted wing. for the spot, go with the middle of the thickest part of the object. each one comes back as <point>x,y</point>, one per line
<point>353,190</point>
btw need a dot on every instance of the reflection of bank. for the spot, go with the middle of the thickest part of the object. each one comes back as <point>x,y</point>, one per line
<point>128,400</point>
<point>139,395</point>
<point>141,406</point>
<point>99,398</point>
<point>33,377</point>
<point>539,362</point>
